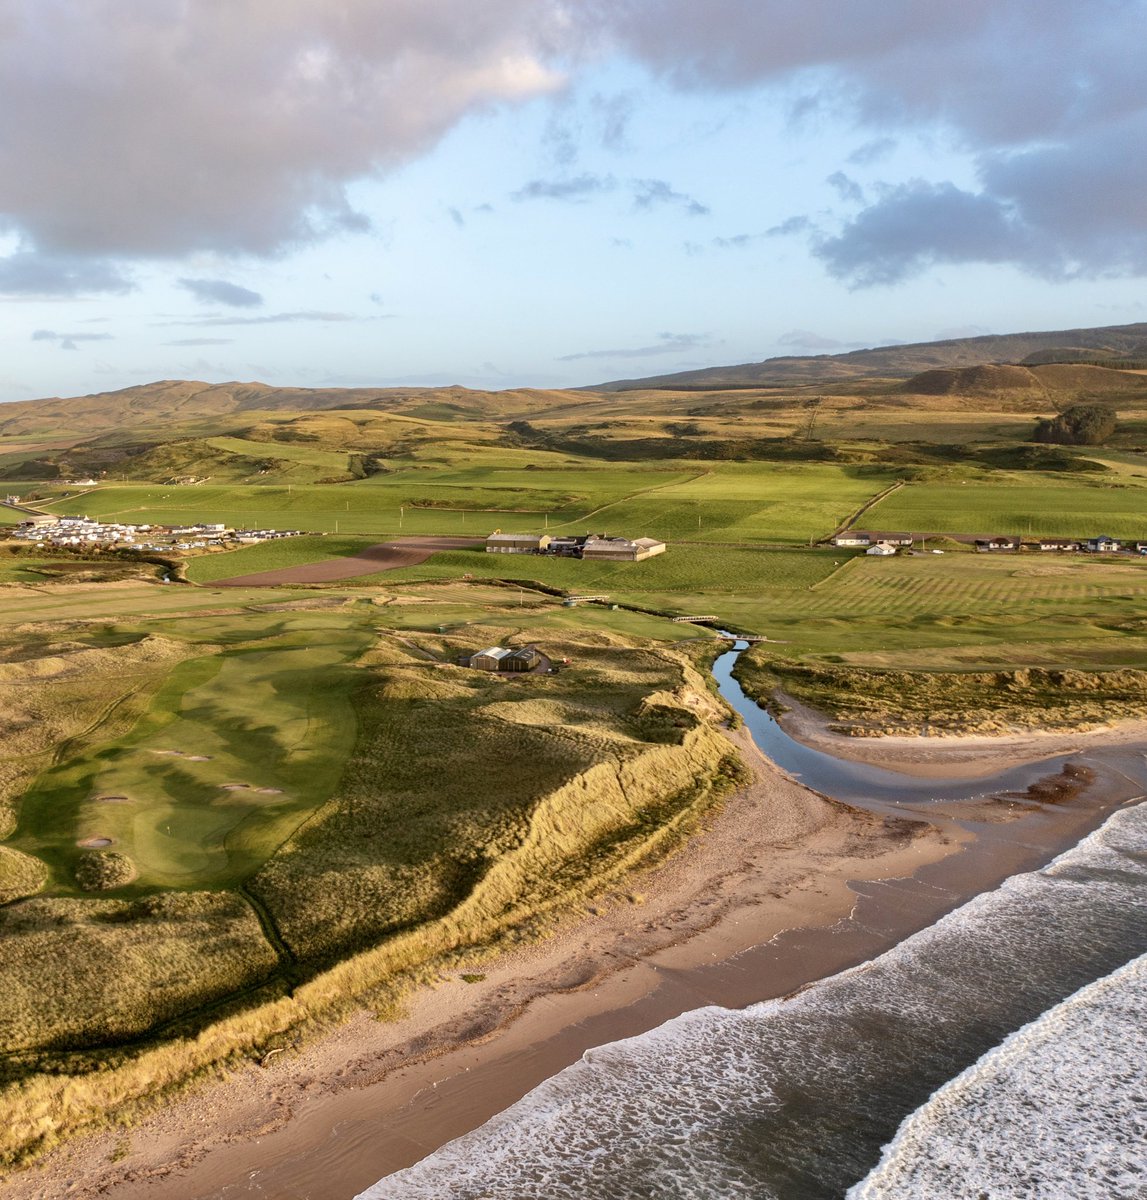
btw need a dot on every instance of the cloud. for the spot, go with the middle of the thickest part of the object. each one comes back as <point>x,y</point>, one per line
<point>26,273</point>
<point>219,291</point>
<point>789,226</point>
<point>1045,99</point>
<point>872,151</point>
<point>917,225</point>
<point>614,114</point>
<point>846,188</point>
<point>456,217</point>
<point>651,193</point>
<point>69,341</point>
<point>200,341</point>
<point>667,343</point>
<point>577,189</point>
<point>286,318</point>
<point>738,241</point>
<point>161,130</point>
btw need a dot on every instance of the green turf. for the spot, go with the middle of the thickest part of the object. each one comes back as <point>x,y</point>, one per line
<point>686,568</point>
<point>1017,505</point>
<point>272,712</point>
<point>740,503</point>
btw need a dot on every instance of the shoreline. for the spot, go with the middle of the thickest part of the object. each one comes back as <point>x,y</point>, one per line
<point>782,888</point>
<point>952,756</point>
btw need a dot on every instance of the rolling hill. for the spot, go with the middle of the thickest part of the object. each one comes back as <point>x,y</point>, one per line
<point>1111,343</point>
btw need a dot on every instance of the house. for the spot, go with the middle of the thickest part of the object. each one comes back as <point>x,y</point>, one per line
<point>1102,545</point>
<point>490,659</point>
<point>498,658</point>
<point>516,543</point>
<point>881,549</point>
<point>852,539</point>
<point>997,543</point>
<point>1045,545</point>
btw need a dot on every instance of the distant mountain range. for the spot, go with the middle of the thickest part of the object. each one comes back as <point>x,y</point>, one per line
<point>1108,345</point>
<point>154,410</point>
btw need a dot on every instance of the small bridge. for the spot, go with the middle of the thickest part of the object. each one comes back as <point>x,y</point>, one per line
<point>572,600</point>
<point>695,620</point>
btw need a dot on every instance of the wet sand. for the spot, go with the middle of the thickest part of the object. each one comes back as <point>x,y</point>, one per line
<point>784,888</point>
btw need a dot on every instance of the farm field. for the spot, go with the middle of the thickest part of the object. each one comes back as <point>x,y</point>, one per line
<point>270,556</point>
<point>1047,506</point>
<point>739,503</point>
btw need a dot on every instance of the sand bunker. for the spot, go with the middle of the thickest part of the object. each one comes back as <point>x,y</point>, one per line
<point>269,791</point>
<point>235,787</point>
<point>183,754</point>
<point>95,843</point>
<point>113,800</point>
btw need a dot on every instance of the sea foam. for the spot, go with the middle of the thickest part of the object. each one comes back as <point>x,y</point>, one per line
<point>794,1098</point>
<point>1058,1112</point>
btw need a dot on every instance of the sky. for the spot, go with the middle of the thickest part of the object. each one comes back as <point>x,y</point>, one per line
<point>554,192</point>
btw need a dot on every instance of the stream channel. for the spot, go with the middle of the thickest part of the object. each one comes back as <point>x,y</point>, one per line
<point>880,789</point>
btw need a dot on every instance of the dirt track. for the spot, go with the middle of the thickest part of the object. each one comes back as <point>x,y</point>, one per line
<point>385,556</point>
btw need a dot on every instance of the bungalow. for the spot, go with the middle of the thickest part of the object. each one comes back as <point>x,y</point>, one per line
<point>1102,545</point>
<point>516,543</point>
<point>1053,544</point>
<point>852,539</point>
<point>997,543</point>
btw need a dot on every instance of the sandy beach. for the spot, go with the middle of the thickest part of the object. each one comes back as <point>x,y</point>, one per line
<point>939,757</point>
<point>783,888</point>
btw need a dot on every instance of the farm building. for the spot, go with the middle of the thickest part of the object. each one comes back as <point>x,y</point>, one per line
<point>516,543</point>
<point>620,549</point>
<point>881,550</point>
<point>852,539</point>
<point>498,658</point>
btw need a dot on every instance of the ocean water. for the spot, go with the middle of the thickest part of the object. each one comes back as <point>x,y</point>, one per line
<point>1023,1010</point>
<point>1058,1112</point>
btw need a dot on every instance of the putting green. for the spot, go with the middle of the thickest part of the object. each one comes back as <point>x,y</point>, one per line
<point>236,749</point>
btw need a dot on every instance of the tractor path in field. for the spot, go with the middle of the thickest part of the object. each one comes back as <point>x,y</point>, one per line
<point>384,556</point>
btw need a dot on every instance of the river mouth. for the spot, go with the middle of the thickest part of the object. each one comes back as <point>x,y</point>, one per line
<point>883,789</point>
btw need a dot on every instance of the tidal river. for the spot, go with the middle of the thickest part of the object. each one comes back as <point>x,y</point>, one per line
<point>1001,1052</point>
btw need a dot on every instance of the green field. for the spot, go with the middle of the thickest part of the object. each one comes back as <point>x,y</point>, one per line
<point>1046,506</point>
<point>737,503</point>
<point>271,556</point>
